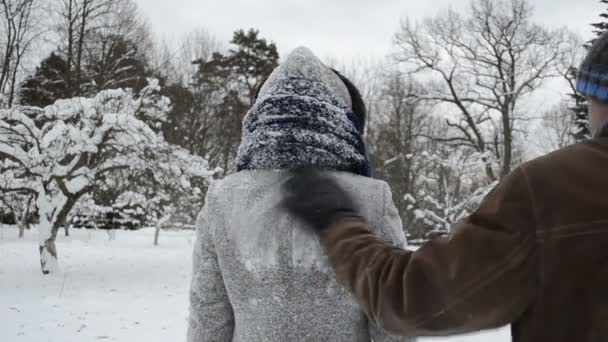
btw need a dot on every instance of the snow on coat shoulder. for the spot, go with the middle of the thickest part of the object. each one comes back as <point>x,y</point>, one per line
<point>260,276</point>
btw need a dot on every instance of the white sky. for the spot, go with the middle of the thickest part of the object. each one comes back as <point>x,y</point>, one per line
<point>342,29</point>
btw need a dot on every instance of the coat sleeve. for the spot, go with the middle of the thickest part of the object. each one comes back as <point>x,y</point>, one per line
<point>392,231</point>
<point>211,315</point>
<point>482,276</point>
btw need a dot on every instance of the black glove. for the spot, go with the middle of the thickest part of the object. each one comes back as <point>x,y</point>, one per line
<point>316,199</point>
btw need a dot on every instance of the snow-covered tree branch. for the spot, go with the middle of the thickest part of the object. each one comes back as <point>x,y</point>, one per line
<point>483,62</point>
<point>450,191</point>
<point>60,152</point>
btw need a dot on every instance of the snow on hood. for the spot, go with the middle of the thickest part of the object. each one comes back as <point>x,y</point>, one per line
<point>302,63</point>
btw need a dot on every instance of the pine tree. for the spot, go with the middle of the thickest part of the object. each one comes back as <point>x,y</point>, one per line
<point>230,81</point>
<point>580,109</point>
<point>116,63</point>
<point>600,27</point>
<point>48,83</point>
<point>112,62</point>
<point>252,59</point>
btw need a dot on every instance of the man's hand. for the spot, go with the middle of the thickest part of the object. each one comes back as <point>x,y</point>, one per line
<point>316,199</point>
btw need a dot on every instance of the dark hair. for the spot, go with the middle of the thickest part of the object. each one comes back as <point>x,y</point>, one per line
<point>358,106</point>
<point>259,88</point>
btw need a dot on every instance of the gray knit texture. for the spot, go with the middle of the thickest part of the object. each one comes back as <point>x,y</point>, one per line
<point>259,275</point>
<point>302,118</point>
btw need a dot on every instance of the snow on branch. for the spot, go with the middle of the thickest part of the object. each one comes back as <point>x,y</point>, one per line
<point>60,152</point>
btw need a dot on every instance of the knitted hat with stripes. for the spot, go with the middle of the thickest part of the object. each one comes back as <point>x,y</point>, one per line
<point>592,76</point>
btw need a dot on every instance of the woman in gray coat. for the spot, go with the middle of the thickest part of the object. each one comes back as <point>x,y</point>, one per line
<point>257,276</point>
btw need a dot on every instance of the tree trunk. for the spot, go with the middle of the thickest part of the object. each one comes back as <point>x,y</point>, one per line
<point>488,166</point>
<point>49,221</point>
<point>48,252</point>
<point>11,93</point>
<point>66,226</point>
<point>70,56</point>
<point>22,223</point>
<point>21,230</point>
<point>508,147</point>
<point>159,225</point>
<point>8,50</point>
<point>156,234</point>
<point>80,47</point>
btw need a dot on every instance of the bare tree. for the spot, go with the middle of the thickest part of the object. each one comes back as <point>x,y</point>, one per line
<point>398,137</point>
<point>484,63</point>
<point>75,20</point>
<point>19,31</point>
<point>578,103</point>
<point>449,189</point>
<point>118,48</point>
<point>90,32</point>
<point>20,204</point>
<point>556,127</point>
<point>197,45</point>
<point>193,117</point>
<point>434,183</point>
<point>369,76</point>
<point>123,18</point>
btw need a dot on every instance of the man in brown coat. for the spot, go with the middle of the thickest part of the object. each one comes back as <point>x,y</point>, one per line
<point>534,255</point>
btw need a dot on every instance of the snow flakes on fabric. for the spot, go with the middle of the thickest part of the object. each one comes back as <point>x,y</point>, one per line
<point>260,276</point>
<point>303,117</point>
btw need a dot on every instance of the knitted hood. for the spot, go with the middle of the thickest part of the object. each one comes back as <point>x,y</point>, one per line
<point>303,118</point>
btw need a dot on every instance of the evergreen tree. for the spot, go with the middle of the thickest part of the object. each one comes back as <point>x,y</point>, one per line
<point>580,110</point>
<point>600,27</point>
<point>112,63</point>
<point>116,64</point>
<point>227,84</point>
<point>252,59</point>
<point>48,83</point>
<point>181,120</point>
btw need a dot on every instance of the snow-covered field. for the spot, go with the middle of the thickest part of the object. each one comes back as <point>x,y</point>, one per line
<point>120,290</point>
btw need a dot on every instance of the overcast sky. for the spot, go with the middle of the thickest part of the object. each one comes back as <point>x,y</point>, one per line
<point>342,29</point>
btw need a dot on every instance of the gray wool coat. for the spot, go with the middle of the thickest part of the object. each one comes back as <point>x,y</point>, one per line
<point>258,275</point>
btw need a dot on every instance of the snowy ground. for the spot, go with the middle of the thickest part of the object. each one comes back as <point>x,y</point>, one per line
<point>120,290</point>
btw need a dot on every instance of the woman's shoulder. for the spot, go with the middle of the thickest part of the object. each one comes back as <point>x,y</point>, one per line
<point>247,179</point>
<point>375,200</point>
<point>364,188</point>
<point>239,183</point>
